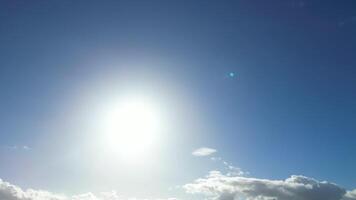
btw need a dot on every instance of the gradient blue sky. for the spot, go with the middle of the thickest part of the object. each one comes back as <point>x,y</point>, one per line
<point>289,109</point>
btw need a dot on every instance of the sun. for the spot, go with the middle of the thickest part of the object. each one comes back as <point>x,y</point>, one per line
<point>132,128</point>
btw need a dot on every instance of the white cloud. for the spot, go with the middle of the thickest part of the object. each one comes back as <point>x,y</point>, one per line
<point>216,186</point>
<point>231,169</point>
<point>350,195</point>
<point>203,151</point>
<point>9,191</point>
<point>13,192</point>
<point>223,187</point>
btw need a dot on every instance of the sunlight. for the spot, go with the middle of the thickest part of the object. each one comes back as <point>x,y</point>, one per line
<point>132,128</point>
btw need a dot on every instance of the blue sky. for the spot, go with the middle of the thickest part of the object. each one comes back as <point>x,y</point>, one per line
<point>287,110</point>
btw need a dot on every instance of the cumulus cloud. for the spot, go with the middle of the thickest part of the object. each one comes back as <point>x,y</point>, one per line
<point>215,186</point>
<point>9,191</point>
<point>13,192</point>
<point>222,187</point>
<point>350,195</point>
<point>203,151</point>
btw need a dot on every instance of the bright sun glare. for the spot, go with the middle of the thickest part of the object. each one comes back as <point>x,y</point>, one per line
<point>132,128</point>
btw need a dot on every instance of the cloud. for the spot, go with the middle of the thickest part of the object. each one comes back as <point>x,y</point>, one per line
<point>235,171</point>
<point>215,186</point>
<point>9,191</point>
<point>231,169</point>
<point>350,195</point>
<point>26,148</point>
<point>222,187</point>
<point>17,148</point>
<point>203,151</point>
<point>13,192</point>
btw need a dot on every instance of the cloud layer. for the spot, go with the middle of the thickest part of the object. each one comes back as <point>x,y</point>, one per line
<point>224,187</point>
<point>13,192</point>
<point>215,186</point>
<point>9,191</point>
<point>203,151</point>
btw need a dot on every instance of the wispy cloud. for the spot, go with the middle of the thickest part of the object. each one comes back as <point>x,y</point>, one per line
<point>17,147</point>
<point>26,148</point>
<point>222,187</point>
<point>231,169</point>
<point>204,151</point>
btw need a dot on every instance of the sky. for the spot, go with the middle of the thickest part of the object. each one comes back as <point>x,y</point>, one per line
<point>225,100</point>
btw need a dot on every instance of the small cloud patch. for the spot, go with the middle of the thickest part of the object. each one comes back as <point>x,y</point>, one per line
<point>204,151</point>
